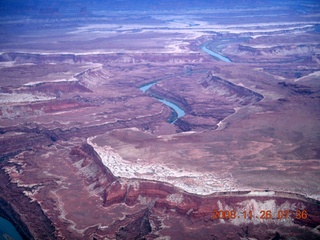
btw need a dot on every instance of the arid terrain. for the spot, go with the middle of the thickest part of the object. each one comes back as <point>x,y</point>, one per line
<point>90,149</point>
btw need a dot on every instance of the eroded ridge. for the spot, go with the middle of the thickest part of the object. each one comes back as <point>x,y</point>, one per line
<point>133,206</point>
<point>189,181</point>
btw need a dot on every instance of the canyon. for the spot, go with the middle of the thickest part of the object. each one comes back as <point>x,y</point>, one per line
<point>87,150</point>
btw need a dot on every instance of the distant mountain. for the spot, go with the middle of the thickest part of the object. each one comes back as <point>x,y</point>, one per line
<point>60,6</point>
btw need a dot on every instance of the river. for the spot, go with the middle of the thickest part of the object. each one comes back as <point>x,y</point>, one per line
<point>179,112</point>
<point>7,231</point>
<point>144,88</point>
<point>213,47</point>
<point>215,54</point>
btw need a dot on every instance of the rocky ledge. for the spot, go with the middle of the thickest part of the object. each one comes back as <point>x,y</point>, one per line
<point>122,208</point>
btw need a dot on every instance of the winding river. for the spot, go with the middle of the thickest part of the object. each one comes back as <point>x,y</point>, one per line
<point>7,231</point>
<point>213,47</point>
<point>215,54</point>
<point>179,112</point>
<point>144,88</point>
